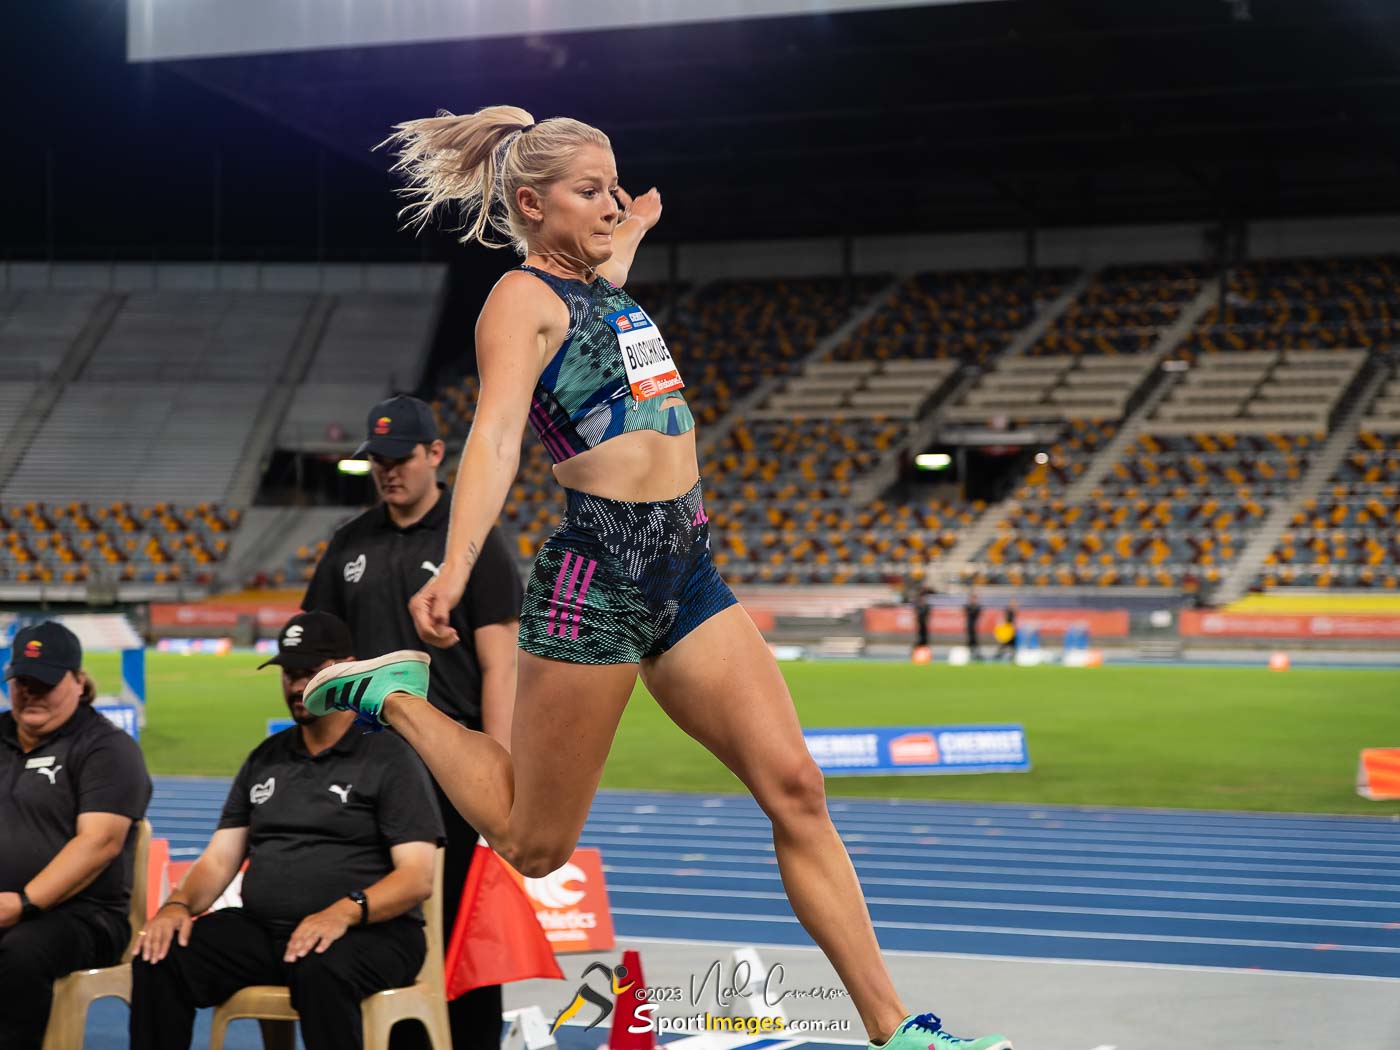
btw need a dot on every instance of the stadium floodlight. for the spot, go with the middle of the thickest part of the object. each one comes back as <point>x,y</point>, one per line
<point>358,467</point>
<point>1041,457</point>
<point>933,461</point>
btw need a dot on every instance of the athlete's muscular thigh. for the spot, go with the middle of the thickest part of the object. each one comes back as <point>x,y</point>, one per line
<point>565,718</point>
<point>721,685</point>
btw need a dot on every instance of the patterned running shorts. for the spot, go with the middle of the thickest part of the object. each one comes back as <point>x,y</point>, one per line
<point>618,581</point>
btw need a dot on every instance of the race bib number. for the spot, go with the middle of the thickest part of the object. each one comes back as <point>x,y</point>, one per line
<point>645,356</point>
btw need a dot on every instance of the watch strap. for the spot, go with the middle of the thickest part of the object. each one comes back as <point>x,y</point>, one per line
<point>27,908</point>
<point>358,896</point>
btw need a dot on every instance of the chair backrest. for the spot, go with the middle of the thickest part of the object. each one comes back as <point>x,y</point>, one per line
<point>140,875</point>
<point>432,971</point>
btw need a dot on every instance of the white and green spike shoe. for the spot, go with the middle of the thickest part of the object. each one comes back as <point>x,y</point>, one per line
<point>925,1032</point>
<point>362,685</point>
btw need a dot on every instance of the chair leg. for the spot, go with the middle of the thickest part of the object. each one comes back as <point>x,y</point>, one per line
<point>67,1023</point>
<point>278,1035</point>
<point>439,1032</point>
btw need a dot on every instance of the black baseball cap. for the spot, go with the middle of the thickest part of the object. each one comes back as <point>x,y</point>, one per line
<point>309,639</point>
<point>46,651</point>
<point>397,425</point>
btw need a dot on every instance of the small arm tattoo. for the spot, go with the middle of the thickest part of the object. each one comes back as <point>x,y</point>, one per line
<point>469,559</point>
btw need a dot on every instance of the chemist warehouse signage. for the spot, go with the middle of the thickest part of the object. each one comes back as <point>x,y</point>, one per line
<point>919,749</point>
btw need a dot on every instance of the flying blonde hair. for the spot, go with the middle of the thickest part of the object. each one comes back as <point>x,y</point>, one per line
<point>476,163</point>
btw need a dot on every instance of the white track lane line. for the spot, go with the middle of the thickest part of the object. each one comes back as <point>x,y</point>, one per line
<point>1012,887</point>
<point>1018,931</point>
<point>1046,909</point>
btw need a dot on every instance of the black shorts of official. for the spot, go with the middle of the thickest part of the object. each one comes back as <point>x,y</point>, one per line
<point>618,582</point>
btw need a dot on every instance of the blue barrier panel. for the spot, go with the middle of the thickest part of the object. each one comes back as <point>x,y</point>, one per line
<point>123,716</point>
<point>885,750</point>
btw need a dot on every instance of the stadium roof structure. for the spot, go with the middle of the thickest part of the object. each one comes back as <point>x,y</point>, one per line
<point>959,116</point>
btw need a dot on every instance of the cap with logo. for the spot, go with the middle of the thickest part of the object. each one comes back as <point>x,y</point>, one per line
<point>46,651</point>
<point>396,426</point>
<point>309,639</point>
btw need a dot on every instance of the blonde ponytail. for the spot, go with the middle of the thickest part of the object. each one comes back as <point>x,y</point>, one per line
<point>477,163</point>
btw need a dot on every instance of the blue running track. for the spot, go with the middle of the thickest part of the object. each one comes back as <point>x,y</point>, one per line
<point>1308,894</point>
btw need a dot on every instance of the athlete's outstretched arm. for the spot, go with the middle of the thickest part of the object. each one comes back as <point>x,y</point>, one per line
<point>510,354</point>
<point>640,216</point>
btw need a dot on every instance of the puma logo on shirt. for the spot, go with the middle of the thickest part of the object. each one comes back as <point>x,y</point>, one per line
<point>343,792</point>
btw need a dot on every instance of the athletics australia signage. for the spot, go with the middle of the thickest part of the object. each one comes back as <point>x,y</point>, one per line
<point>884,750</point>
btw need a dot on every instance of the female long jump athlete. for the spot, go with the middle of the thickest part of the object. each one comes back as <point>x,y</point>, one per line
<point>626,583</point>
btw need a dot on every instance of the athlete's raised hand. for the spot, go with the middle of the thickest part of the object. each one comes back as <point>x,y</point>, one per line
<point>432,606</point>
<point>645,209</point>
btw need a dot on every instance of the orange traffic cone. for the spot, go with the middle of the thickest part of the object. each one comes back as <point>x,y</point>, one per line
<point>632,995</point>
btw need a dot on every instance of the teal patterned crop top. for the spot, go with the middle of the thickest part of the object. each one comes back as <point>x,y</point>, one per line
<point>612,353</point>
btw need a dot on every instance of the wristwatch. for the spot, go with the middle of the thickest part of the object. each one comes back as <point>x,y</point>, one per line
<point>27,908</point>
<point>358,896</point>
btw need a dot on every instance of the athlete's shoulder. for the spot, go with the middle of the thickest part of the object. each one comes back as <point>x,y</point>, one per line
<point>523,286</point>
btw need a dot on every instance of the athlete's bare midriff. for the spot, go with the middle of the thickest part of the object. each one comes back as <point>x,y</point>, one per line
<point>638,467</point>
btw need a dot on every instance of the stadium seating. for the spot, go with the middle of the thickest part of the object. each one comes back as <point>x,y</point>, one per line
<point>1123,310</point>
<point>961,315</point>
<point>1065,461</point>
<point>139,441</point>
<point>731,335</point>
<point>199,337</point>
<point>898,388</point>
<point>117,542</point>
<point>36,329</point>
<point>1025,389</point>
<point>1260,391</point>
<point>374,343</point>
<point>1175,512</point>
<point>1287,304</point>
<point>1349,536</point>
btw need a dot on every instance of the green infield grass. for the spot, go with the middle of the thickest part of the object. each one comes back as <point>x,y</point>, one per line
<point>1189,737</point>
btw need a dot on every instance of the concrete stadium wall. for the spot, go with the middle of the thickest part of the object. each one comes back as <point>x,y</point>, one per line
<point>1082,247</point>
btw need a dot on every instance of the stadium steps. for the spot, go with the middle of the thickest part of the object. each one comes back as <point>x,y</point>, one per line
<point>274,409</point>
<point>1126,438</point>
<point>1030,335</point>
<point>75,359</point>
<point>1250,563</point>
<point>950,567</point>
<point>926,429</point>
<point>293,528</point>
<point>739,411</point>
<point>921,434</point>
<point>261,529</point>
<point>962,558</point>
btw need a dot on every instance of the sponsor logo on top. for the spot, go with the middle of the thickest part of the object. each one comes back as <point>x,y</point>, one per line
<point>624,323</point>
<point>34,650</point>
<point>381,425</point>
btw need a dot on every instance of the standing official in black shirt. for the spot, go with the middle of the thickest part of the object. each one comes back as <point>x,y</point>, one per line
<point>75,785</point>
<point>373,565</point>
<point>340,834</point>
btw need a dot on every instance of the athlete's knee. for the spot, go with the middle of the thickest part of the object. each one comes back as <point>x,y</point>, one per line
<point>536,857</point>
<point>795,790</point>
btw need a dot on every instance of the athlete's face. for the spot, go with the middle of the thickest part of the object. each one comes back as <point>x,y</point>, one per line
<point>407,482</point>
<point>581,209</point>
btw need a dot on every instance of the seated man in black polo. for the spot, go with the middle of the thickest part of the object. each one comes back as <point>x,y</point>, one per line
<point>75,785</point>
<point>340,830</point>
